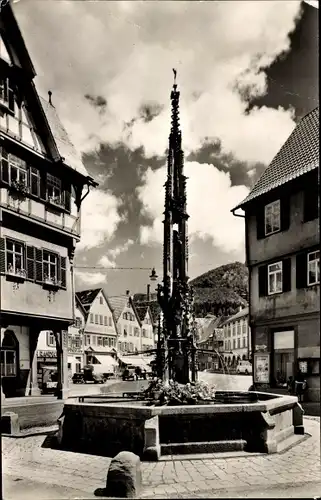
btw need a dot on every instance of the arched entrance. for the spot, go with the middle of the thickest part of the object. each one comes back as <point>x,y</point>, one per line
<point>9,363</point>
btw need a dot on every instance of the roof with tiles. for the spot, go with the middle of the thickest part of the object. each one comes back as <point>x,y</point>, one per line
<point>87,297</point>
<point>298,155</point>
<point>118,304</point>
<point>238,315</point>
<point>154,308</point>
<point>65,147</point>
<point>141,311</point>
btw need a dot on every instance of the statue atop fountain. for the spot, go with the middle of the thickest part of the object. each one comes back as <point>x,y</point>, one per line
<point>176,349</point>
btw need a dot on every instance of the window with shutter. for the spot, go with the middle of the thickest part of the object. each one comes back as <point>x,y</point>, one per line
<point>30,254</point>
<point>301,270</point>
<point>4,166</point>
<point>272,217</point>
<point>286,275</point>
<point>275,278</point>
<point>63,272</point>
<point>2,256</point>
<point>39,274</point>
<point>263,281</point>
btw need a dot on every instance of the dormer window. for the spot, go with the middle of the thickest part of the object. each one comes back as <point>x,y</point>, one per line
<point>272,218</point>
<point>6,95</point>
<point>54,190</point>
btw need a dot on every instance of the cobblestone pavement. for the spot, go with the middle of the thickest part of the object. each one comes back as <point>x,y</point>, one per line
<point>27,462</point>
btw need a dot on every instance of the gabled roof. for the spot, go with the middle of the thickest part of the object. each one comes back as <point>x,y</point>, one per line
<point>66,149</point>
<point>79,305</point>
<point>87,297</point>
<point>154,308</point>
<point>57,139</point>
<point>141,311</point>
<point>20,56</point>
<point>298,155</point>
<point>238,315</point>
<point>118,304</point>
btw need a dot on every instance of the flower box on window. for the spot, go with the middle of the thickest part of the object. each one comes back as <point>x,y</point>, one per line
<point>55,201</point>
<point>51,282</point>
<point>16,274</point>
<point>18,189</point>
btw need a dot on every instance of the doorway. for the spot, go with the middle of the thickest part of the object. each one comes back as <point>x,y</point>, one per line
<point>283,356</point>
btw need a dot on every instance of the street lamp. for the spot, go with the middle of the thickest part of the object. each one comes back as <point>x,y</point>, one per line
<point>153,276</point>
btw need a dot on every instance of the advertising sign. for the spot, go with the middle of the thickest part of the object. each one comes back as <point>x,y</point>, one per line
<point>262,368</point>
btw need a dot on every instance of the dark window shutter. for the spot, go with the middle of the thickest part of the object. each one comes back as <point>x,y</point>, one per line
<point>263,281</point>
<point>39,276</point>
<point>260,229</point>
<point>301,270</point>
<point>285,213</point>
<point>311,203</point>
<point>4,167</point>
<point>286,275</point>
<point>43,195</point>
<point>67,199</point>
<point>30,263</point>
<point>2,256</point>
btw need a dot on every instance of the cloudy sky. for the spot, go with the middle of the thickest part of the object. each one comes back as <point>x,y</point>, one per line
<point>247,70</point>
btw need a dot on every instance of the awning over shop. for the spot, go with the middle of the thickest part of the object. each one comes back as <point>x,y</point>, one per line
<point>104,363</point>
<point>135,361</point>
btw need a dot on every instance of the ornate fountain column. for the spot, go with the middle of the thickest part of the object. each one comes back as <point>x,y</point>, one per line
<point>174,295</point>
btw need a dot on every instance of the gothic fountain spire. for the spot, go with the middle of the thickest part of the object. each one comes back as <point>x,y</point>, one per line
<point>175,295</point>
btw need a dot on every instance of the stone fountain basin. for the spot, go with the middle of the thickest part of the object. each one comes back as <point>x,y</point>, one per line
<point>252,422</point>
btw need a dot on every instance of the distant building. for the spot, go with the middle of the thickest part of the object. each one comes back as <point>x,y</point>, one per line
<point>41,190</point>
<point>147,329</point>
<point>283,258</point>
<point>237,342</point>
<point>210,343</point>
<point>100,332</point>
<point>76,339</point>
<point>129,328</point>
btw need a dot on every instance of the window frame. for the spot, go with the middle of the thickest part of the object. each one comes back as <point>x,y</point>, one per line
<point>272,205</point>
<point>274,273</point>
<point>51,341</point>
<point>7,97</point>
<point>315,261</point>
<point>22,272</point>
<point>56,184</point>
<point>48,279</point>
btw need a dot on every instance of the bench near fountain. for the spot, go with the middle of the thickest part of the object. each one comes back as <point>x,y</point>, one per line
<point>237,421</point>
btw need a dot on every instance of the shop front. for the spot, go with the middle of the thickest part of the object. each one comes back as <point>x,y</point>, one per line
<point>281,357</point>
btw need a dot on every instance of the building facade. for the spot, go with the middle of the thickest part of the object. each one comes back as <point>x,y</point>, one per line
<point>237,340</point>
<point>41,184</point>
<point>210,343</point>
<point>147,327</point>
<point>100,333</point>
<point>283,257</point>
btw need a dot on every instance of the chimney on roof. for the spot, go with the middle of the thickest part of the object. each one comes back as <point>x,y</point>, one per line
<point>148,293</point>
<point>50,94</point>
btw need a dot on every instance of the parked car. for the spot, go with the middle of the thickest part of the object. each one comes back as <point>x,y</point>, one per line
<point>78,378</point>
<point>129,373</point>
<point>244,367</point>
<point>91,376</point>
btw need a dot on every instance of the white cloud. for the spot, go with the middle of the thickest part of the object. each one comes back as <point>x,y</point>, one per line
<point>214,46</point>
<point>99,219</point>
<point>90,278</point>
<point>104,261</point>
<point>210,198</point>
<point>114,252</point>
